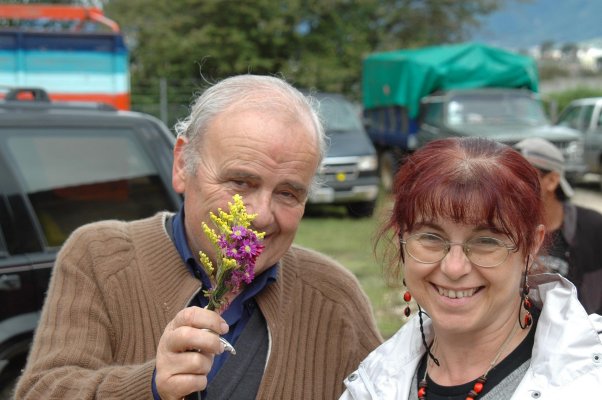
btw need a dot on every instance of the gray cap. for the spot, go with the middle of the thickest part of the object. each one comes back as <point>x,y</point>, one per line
<point>544,155</point>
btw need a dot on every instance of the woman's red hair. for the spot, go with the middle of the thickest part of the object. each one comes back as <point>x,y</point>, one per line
<point>474,181</point>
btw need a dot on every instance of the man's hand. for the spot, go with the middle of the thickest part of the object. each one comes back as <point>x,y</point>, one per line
<point>186,350</point>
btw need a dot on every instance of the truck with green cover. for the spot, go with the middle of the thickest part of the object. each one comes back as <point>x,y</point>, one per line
<point>411,97</point>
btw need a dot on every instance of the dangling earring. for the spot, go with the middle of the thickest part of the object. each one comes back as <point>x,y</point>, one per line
<point>407,297</point>
<point>526,321</point>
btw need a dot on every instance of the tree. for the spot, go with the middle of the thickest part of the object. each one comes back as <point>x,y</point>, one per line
<point>313,43</point>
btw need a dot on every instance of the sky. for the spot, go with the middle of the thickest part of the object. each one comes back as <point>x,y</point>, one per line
<point>522,25</point>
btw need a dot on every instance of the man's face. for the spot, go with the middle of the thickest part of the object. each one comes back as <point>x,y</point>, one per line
<point>267,158</point>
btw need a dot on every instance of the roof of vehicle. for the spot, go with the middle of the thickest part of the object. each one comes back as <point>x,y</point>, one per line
<point>587,100</point>
<point>403,77</point>
<point>33,107</point>
<point>485,91</point>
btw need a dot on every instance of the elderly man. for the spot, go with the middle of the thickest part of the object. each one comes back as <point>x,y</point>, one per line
<point>574,232</point>
<point>125,304</point>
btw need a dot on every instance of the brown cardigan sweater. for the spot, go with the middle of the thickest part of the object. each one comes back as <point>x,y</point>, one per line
<point>116,285</point>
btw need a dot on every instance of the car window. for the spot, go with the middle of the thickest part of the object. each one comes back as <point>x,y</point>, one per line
<point>72,179</point>
<point>487,108</point>
<point>587,116</point>
<point>339,115</point>
<point>432,115</point>
<point>570,117</point>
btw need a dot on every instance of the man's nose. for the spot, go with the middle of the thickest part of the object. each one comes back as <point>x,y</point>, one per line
<point>261,204</point>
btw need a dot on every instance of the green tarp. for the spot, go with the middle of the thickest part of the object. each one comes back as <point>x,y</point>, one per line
<point>403,77</point>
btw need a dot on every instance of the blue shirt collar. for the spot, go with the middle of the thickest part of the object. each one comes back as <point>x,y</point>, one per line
<point>257,285</point>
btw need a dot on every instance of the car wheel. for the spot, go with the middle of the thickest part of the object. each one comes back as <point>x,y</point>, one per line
<point>363,209</point>
<point>7,389</point>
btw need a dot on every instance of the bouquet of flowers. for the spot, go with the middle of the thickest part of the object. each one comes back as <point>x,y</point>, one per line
<point>236,249</point>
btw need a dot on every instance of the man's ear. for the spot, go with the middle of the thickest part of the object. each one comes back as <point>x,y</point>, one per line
<point>550,181</point>
<point>179,173</point>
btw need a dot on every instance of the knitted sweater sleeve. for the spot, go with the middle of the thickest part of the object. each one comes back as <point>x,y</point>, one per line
<point>73,353</point>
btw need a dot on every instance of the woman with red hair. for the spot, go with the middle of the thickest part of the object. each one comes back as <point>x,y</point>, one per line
<point>467,222</point>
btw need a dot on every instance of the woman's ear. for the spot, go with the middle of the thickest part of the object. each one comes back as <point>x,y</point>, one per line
<point>540,234</point>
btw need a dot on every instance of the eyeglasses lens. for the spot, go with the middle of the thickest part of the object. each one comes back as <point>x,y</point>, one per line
<point>483,251</point>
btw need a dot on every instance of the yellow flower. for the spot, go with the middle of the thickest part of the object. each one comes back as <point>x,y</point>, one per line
<point>206,262</point>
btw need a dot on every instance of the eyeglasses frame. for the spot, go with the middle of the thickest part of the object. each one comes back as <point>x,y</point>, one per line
<point>465,250</point>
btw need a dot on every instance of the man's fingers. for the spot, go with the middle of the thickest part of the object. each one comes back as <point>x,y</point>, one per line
<point>197,317</point>
<point>181,385</point>
<point>186,338</point>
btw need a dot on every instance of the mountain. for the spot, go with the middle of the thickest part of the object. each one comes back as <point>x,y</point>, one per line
<point>525,24</point>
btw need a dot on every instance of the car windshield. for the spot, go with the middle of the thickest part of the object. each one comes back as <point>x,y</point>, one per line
<point>339,115</point>
<point>74,177</point>
<point>498,109</point>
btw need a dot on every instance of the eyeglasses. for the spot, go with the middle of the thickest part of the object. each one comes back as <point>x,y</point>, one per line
<point>428,248</point>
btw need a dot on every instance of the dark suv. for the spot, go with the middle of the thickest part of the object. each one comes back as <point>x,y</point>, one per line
<point>63,165</point>
<point>348,174</point>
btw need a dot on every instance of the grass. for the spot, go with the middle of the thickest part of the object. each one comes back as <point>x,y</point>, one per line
<point>351,242</point>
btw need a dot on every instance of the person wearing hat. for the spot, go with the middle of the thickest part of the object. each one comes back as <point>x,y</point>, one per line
<point>574,247</point>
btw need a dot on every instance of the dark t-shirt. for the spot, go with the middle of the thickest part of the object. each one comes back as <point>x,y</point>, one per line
<point>497,374</point>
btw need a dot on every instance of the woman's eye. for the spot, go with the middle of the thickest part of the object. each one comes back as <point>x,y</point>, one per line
<point>486,241</point>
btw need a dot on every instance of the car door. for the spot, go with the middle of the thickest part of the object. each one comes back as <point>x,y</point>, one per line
<point>575,116</point>
<point>593,147</point>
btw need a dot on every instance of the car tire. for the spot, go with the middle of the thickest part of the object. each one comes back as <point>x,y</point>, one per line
<point>7,389</point>
<point>363,209</point>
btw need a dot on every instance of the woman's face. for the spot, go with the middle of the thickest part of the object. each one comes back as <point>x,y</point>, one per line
<point>459,296</point>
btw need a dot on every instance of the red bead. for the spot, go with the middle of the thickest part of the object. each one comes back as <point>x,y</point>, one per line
<point>469,397</point>
<point>478,387</point>
<point>527,303</point>
<point>527,319</point>
<point>407,296</point>
<point>421,393</point>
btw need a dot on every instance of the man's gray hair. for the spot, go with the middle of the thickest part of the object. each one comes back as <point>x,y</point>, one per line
<point>253,91</point>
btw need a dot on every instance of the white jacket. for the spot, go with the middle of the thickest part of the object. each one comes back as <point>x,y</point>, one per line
<point>566,362</point>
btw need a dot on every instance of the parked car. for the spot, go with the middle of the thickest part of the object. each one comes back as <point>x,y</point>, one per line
<point>63,165</point>
<point>505,115</point>
<point>585,115</point>
<point>348,174</point>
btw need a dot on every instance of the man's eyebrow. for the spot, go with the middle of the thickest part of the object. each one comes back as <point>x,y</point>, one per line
<point>243,174</point>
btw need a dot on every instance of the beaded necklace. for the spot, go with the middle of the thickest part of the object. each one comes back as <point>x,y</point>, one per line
<point>480,383</point>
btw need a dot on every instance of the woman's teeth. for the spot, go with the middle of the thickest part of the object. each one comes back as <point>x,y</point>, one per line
<point>456,294</point>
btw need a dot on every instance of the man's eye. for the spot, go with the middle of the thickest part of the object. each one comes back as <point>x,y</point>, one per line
<point>239,183</point>
<point>290,197</point>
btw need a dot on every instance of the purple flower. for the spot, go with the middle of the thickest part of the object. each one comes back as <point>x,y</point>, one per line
<point>251,248</point>
<point>222,241</point>
<point>239,232</point>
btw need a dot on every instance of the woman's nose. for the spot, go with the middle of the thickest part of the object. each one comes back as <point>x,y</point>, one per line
<point>456,264</point>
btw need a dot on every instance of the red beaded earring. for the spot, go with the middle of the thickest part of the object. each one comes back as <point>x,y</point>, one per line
<point>407,297</point>
<point>526,321</point>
